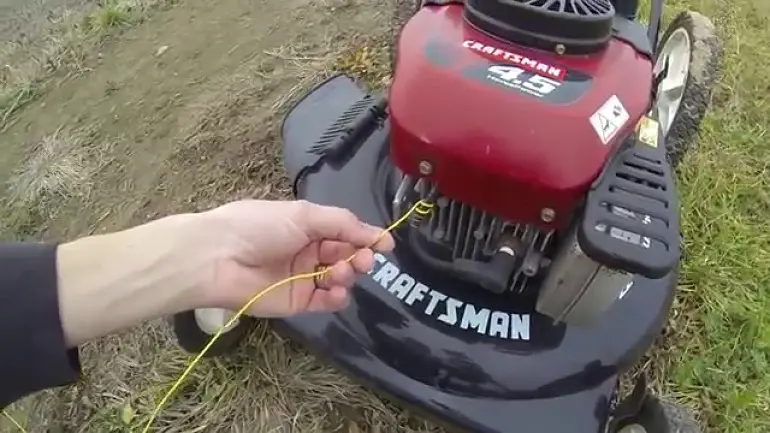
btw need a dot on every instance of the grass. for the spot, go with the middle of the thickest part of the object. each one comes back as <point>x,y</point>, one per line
<point>62,48</point>
<point>112,13</point>
<point>53,170</point>
<point>715,356</point>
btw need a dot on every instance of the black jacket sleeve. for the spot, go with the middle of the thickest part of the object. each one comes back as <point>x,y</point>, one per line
<point>33,355</point>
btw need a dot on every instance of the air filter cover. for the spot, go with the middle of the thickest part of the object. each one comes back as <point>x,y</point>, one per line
<point>561,26</point>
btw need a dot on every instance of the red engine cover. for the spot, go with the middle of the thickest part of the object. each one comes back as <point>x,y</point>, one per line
<point>507,129</point>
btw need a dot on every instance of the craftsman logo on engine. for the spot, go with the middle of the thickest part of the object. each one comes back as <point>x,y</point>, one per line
<point>532,65</point>
<point>446,309</point>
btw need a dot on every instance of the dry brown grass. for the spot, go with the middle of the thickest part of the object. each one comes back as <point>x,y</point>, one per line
<point>268,386</point>
<point>223,145</point>
<point>62,167</point>
<point>55,169</point>
<point>61,43</point>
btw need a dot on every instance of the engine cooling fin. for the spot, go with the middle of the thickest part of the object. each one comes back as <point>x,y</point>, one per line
<point>561,26</point>
<point>467,242</point>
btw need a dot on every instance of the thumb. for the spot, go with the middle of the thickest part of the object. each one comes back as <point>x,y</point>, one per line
<point>338,224</point>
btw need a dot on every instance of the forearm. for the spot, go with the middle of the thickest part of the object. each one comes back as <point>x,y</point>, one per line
<point>34,356</point>
<point>53,299</point>
<point>111,282</point>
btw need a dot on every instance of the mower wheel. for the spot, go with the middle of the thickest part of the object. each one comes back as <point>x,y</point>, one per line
<point>194,330</point>
<point>402,11</point>
<point>658,416</point>
<point>690,53</point>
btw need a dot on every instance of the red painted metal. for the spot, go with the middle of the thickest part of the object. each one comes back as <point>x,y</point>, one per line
<point>501,151</point>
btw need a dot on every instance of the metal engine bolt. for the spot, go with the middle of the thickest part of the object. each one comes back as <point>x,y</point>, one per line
<point>530,271</point>
<point>547,214</point>
<point>426,168</point>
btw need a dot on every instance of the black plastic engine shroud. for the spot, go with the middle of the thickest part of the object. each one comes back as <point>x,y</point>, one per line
<point>408,331</point>
<point>563,26</point>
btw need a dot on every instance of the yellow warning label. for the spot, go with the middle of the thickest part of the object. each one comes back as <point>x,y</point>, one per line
<point>648,131</point>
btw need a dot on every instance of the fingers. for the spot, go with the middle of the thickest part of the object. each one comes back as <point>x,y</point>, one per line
<point>385,242</point>
<point>343,273</point>
<point>333,252</point>
<point>346,264</point>
<point>363,261</point>
<point>336,284</point>
<point>335,299</point>
<point>333,223</point>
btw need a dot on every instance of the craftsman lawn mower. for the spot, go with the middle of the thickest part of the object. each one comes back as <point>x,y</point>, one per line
<point>545,134</point>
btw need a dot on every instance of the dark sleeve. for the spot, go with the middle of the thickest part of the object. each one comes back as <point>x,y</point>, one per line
<point>33,355</point>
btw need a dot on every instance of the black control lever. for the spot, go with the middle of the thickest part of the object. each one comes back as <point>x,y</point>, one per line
<point>358,121</point>
<point>492,275</point>
<point>631,219</point>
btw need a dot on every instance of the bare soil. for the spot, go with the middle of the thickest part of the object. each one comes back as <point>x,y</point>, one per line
<point>175,114</point>
<point>22,21</point>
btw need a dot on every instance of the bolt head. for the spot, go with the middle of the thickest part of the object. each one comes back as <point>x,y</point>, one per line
<point>426,168</point>
<point>547,214</point>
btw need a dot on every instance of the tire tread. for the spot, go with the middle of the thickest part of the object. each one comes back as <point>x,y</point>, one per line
<point>705,61</point>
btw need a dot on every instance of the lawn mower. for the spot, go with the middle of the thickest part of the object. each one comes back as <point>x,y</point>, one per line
<point>546,134</point>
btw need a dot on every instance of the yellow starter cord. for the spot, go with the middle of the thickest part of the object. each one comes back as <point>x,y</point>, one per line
<point>421,208</point>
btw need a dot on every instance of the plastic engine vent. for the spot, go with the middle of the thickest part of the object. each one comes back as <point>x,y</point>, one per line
<point>561,26</point>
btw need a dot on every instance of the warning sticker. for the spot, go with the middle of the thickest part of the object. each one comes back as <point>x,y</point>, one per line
<point>648,132</point>
<point>609,118</point>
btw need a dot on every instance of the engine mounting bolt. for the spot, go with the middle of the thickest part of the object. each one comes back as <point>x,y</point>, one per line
<point>547,214</point>
<point>561,49</point>
<point>426,168</point>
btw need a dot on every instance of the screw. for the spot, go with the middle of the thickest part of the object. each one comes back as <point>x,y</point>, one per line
<point>547,214</point>
<point>426,168</point>
<point>530,271</point>
<point>560,49</point>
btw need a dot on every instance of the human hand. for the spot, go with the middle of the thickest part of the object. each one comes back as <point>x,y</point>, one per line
<point>258,243</point>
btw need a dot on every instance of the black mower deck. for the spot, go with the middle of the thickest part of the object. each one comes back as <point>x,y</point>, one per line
<point>467,357</point>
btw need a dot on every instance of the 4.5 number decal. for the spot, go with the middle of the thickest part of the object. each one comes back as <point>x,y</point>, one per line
<point>523,80</point>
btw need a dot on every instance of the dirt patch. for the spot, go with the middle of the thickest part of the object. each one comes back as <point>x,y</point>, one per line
<point>199,81</point>
<point>179,114</point>
<point>22,21</point>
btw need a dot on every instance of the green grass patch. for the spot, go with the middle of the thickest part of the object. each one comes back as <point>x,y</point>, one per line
<point>15,98</point>
<point>111,13</point>
<point>718,356</point>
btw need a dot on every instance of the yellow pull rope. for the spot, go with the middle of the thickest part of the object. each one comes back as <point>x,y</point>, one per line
<point>422,208</point>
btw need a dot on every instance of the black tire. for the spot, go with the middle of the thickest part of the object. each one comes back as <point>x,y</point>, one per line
<point>660,416</point>
<point>704,72</point>
<point>193,339</point>
<point>402,11</point>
